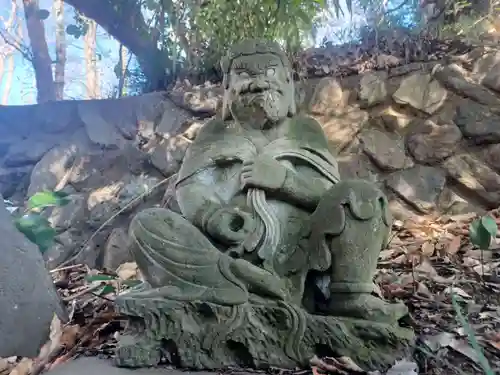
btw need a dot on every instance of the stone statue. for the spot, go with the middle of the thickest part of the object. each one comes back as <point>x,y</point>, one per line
<point>272,258</point>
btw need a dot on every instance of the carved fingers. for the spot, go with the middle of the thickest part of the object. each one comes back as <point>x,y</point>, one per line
<point>263,173</point>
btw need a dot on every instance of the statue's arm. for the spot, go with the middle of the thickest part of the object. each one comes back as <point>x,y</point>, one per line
<point>197,201</point>
<point>304,189</point>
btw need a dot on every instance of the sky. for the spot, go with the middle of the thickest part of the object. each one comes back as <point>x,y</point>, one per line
<point>23,89</point>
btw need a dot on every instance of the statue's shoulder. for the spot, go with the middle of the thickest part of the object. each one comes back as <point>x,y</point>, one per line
<point>214,128</point>
<point>308,129</point>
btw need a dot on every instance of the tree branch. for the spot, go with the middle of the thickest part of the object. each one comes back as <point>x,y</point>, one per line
<point>126,24</point>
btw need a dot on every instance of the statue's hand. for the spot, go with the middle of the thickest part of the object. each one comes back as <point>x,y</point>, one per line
<point>264,173</point>
<point>230,225</point>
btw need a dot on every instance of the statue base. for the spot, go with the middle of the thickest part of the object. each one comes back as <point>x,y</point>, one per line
<point>206,336</point>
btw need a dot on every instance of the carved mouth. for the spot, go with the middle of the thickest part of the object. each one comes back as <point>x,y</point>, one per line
<point>257,91</point>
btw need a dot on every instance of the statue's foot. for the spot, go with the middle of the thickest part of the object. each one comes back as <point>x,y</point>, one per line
<point>133,351</point>
<point>366,306</point>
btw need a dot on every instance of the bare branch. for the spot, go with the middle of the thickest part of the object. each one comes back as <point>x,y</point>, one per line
<point>17,45</point>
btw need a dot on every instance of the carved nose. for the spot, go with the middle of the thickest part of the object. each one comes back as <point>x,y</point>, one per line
<point>259,85</point>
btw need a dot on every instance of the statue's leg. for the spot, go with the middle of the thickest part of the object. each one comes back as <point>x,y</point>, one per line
<point>353,221</point>
<point>179,262</point>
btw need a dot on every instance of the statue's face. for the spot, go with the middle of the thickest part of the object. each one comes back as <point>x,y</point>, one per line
<point>259,91</point>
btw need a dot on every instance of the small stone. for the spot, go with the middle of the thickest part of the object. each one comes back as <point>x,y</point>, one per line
<point>70,215</point>
<point>395,120</point>
<point>422,92</point>
<point>431,143</point>
<point>475,177</point>
<point>487,69</point>
<point>477,122</point>
<point>450,203</point>
<point>492,156</point>
<point>116,249</point>
<point>420,186</point>
<point>342,130</point>
<point>372,88</point>
<point>387,153</point>
<point>328,97</point>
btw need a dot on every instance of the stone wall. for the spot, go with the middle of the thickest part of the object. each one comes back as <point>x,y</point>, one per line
<point>428,133</point>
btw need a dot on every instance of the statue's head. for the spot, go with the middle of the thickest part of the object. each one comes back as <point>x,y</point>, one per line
<point>258,84</point>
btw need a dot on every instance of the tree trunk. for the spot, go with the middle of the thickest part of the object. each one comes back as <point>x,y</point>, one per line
<point>127,25</point>
<point>90,61</point>
<point>7,70</point>
<point>123,62</point>
<point>42,63</point>
<point>60,66</point>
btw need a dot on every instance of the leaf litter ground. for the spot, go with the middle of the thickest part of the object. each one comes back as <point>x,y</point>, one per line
<point>451,288</point>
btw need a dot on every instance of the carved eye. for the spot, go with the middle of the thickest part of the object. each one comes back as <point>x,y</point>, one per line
<point>270,71</point>
<point>243,75</point>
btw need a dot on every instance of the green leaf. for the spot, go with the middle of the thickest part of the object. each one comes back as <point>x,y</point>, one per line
<point>92,278</point>
<point>37,229</point>
<point>131,283</point>
<point>48,199</point>
<point>490,225</point>
<point>479,236</point>
<point>43,14</point>
<point>106,289</point>
<point>72,30</point>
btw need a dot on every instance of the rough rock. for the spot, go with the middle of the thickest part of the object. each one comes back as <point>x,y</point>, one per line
<point>172,119</point>
<point>95,365</point>
<point>14,180</point>
<point>28,300</point>
<point>487,68</point>
<point>477,122</point>
<point>457,79</point>
<point>430,143</point>
<point>70,215</point>
<point>395,120</point>
<point>386,152</point>
<point>99,131</point>
<point>328,98</point>
<point>342,129</point>
<point>29,151</point>
<point>422,92</point>
<point>116,249</point>
<point>203,99</point>
<point>168,154</point>
<point>419,186</point>
<point>357,166</point>
<point>56,164</point>
<point>476,177</point>
<point>491,155</point>
<point>372,88</point>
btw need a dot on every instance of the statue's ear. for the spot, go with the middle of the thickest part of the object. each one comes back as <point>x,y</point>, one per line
<point>226,111</point>
<point>292,107</point>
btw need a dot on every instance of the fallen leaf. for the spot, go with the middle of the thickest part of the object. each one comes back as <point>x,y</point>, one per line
<point>463,347</point>
<point>403,367</point>
<point>428,248</point>
<point>127,271</point>
<point>457,291</point>
<point>23,367</point>
<point>454,245</point>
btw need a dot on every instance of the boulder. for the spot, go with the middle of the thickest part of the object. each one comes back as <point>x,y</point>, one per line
<point>29,299</point>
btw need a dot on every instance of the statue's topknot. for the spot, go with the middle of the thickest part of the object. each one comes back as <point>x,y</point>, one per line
<point>250,47</point>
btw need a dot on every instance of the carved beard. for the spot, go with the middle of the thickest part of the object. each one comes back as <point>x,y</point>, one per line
<point>259,109</point>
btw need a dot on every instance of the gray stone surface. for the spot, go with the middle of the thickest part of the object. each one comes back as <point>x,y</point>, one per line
<point>94,365</point>
<point>28,299</point>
